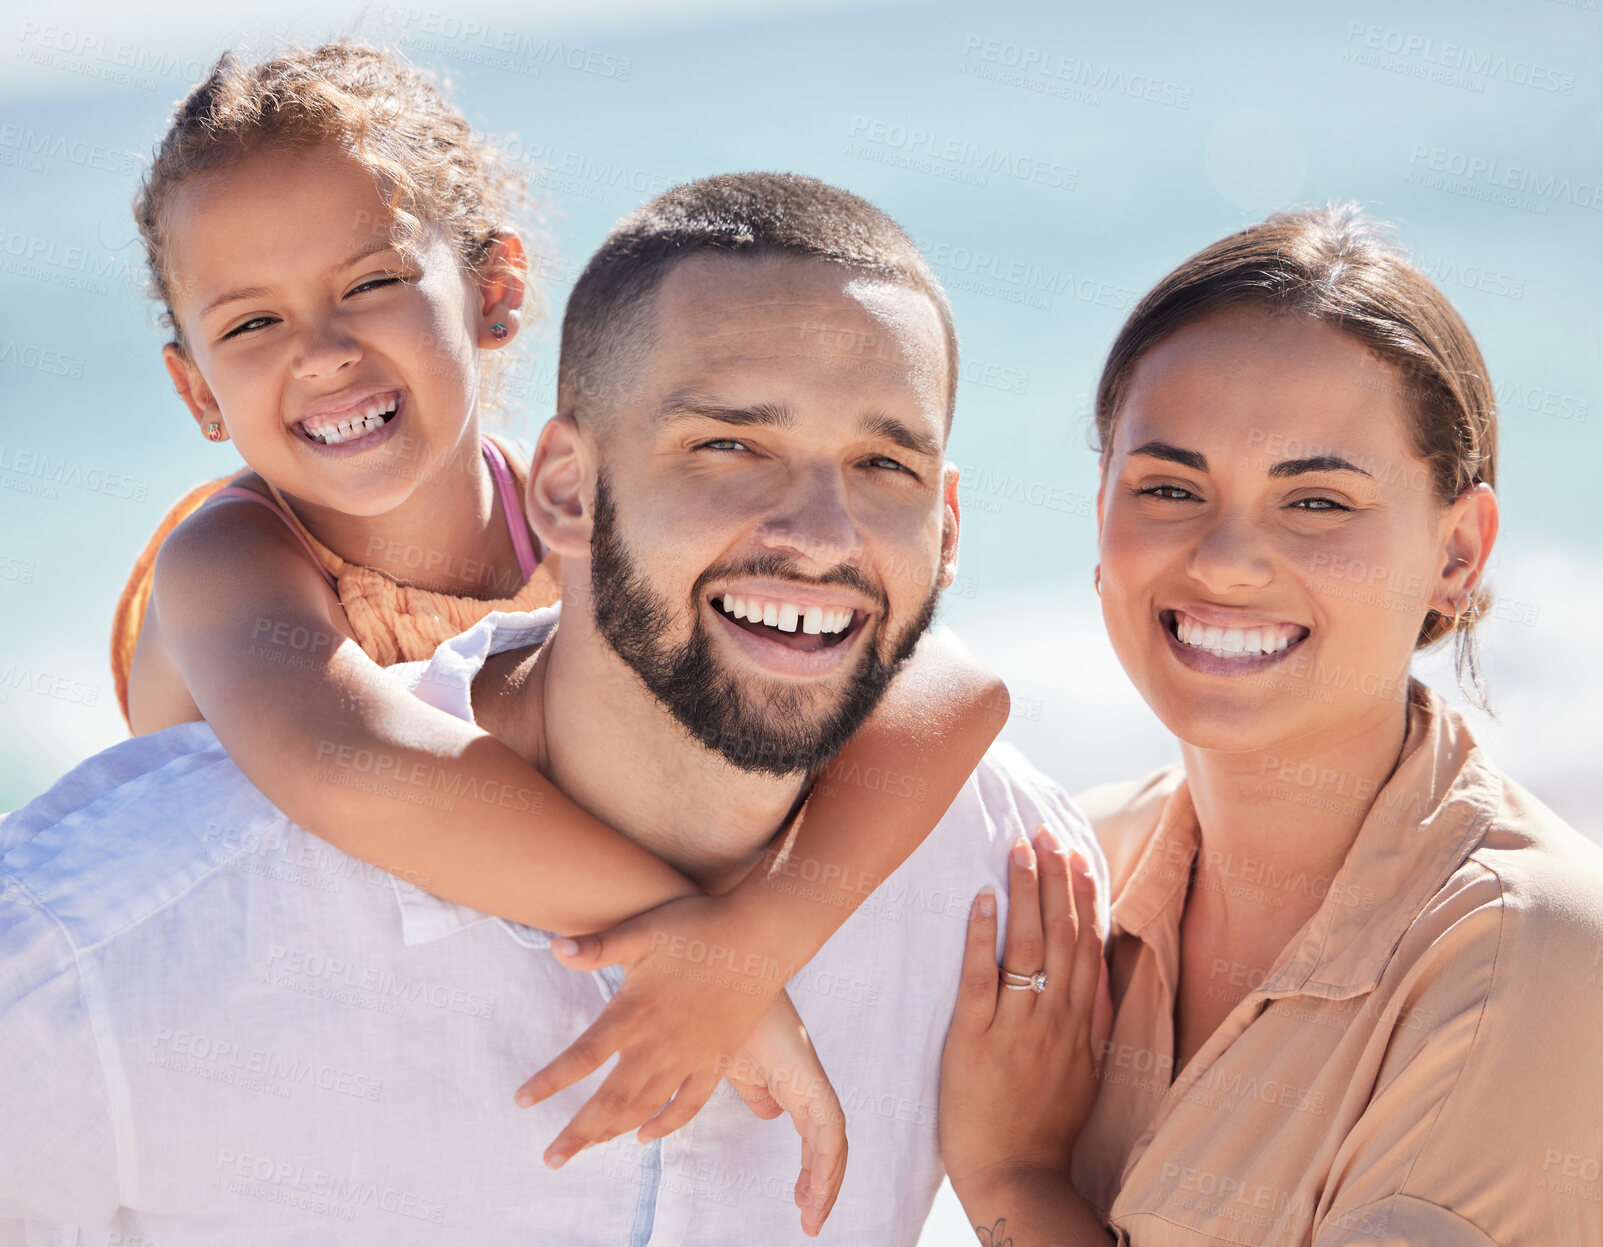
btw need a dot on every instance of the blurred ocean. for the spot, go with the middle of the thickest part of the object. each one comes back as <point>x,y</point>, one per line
<point>1052,159</point>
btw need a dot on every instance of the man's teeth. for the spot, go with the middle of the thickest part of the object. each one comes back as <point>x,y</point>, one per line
<point>333,432</point>
<point>786,615</point>
<point>1234,642</point>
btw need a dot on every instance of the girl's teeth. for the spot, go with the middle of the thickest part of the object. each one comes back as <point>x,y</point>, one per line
<point>360,426</point>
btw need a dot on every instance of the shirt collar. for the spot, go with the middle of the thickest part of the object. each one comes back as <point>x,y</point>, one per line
<point>1421,826</point>
<point>446,682</point>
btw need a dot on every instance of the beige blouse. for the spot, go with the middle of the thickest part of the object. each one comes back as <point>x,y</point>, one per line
<point>1422,1065</point>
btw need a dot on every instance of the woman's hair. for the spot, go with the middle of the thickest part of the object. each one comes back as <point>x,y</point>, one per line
<point>389,115</point>
<point>1331,264</point>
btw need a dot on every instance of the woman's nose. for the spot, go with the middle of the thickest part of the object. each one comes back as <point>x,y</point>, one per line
<point>1229,555</point>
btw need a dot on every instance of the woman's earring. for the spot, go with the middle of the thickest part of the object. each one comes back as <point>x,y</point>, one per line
<point>498,330</point>
<point>1096,579</point>
<point>214,432</point>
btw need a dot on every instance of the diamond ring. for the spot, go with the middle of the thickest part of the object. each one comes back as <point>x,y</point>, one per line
<point>1024,982</point>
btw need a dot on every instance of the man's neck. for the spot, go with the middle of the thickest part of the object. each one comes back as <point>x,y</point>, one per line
<point>580,715</point>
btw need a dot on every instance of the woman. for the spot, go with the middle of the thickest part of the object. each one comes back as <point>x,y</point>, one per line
<point>1354,970</point>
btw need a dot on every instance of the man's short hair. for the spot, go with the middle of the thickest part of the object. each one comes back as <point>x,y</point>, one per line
<point>606,330</point>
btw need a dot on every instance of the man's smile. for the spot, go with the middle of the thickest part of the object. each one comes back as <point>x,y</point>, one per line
<point>789,630</point>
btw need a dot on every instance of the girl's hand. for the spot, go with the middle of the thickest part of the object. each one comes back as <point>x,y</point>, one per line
<point>1018,1075</point>
<point>701,1002</point>
<point>778,1071</point>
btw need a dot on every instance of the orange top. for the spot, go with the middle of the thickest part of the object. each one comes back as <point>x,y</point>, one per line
<point>1422,1064</point>
<point>392,621</point>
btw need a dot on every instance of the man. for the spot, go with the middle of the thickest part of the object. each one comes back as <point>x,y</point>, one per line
<point>215,1030</point>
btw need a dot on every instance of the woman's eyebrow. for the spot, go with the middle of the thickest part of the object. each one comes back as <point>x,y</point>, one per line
<point>1316,463</point>
<point>1173,454</point>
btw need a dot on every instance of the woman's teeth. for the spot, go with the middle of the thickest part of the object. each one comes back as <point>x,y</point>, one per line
<point>330,432</point>
<point>1236,642</point>
<point>786,615</point>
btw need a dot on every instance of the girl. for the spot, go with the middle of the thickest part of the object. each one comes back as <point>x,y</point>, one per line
<point>1352,965</point>
<point>327,239</point>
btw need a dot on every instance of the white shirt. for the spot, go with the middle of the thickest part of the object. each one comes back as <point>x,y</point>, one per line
<point>217,1028</point>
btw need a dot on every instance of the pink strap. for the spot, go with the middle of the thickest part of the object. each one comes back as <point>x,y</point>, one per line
<point>517,525</point>
<point>250,495</point>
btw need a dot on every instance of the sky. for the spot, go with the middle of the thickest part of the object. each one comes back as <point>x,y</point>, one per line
<point>1052,160</point>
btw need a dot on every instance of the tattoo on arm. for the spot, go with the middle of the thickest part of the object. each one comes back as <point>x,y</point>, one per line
<point>996,1236</point>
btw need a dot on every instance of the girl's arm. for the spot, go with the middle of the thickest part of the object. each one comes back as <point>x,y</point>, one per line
<point>877,800</point>
<point>870,808</point>
<point>349,754</point>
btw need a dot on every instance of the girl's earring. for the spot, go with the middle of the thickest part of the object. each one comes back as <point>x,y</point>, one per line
<point>498,330</point>
<point>215,432</point>
<point>1096,579</point>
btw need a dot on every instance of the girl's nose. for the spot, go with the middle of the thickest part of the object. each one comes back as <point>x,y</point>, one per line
<point>323,349</point>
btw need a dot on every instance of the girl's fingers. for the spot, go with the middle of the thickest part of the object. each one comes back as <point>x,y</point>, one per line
<point>624,944</point>
<point>620,1103</point>
<point>581,952</point>
<point>1025,951</point>
<point>976,993</point>
<point>758,1099</point>
<point>585,1055</point>
<point>823,1169</point>
<point>689,1100</point>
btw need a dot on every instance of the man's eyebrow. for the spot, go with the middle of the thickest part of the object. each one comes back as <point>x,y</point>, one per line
<point>1173,454</point>
<point>688,406</point>
<point>900,434</point>
<point>779,416</point>
<point>1316,463</point>
<point>257,292</point>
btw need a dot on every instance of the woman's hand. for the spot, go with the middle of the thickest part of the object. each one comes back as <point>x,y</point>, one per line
<point>1019,1072</point>
<point>700,1002</point>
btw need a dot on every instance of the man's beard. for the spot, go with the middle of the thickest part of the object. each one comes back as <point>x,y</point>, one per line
<point>770,732</point>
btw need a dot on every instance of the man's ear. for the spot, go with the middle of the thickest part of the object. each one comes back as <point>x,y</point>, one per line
<point>502,290</point>
<point>951,521</point>
<point>191,387</point>
<point>1469,531</point>
<point>558,477</point>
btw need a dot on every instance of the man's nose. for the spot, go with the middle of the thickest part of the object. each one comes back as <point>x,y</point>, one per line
<point>323,347</point>
<point>1230,554</point>
<point>813,520</point>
